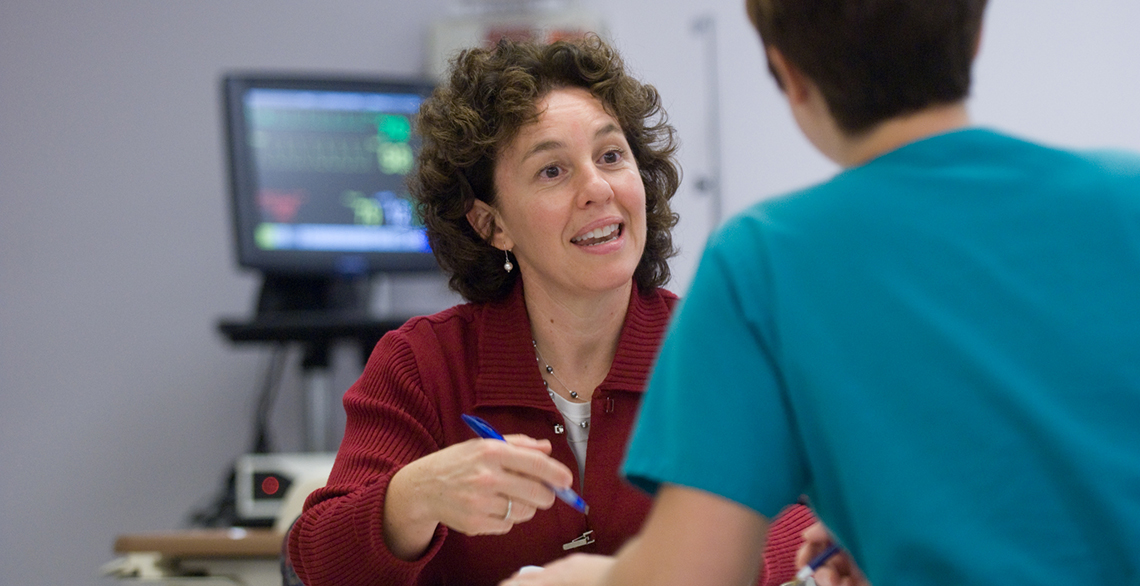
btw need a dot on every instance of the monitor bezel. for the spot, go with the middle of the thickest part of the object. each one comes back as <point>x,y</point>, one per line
<point>243,179</point>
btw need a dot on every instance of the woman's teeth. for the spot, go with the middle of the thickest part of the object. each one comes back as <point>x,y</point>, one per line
<point>598,235</point>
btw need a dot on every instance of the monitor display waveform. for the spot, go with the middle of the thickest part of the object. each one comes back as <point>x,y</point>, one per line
<point>336,163</point>
<point>319,167</point>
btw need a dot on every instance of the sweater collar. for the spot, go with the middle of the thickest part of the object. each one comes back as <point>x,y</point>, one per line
<point>508,370</point>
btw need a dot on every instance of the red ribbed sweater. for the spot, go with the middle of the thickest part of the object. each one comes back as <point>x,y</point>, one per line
<point>478,359</point>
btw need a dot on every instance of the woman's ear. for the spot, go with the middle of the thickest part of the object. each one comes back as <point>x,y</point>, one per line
<point>483,218</point>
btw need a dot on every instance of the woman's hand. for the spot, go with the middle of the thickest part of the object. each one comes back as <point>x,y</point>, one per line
<point>470,487</point>
<point>580,569</point>
<point>840,570</point>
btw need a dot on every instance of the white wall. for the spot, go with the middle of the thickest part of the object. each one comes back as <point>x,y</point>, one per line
<point>121,405</point>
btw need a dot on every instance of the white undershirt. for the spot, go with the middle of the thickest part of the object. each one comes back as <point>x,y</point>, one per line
<point>577,418</point>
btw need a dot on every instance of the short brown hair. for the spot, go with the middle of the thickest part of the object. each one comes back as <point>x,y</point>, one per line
<point>875,59</point>
<point>491,94</point>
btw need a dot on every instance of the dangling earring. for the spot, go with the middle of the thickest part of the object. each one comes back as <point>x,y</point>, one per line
<point>507,265</point>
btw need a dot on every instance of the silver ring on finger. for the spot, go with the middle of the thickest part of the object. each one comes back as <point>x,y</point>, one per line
<point>510,503</point>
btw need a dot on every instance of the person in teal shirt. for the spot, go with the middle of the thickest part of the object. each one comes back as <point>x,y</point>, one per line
<point>939,346</point>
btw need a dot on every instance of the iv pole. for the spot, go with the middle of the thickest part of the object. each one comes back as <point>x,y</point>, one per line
<point>709,185</point>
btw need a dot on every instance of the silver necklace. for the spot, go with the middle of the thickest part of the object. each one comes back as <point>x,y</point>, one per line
<point>549,370</point>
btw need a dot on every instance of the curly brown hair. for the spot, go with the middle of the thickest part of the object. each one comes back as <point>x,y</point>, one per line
<point>492,93</point>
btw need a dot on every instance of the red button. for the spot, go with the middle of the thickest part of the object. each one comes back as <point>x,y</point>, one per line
<point>270,485</point>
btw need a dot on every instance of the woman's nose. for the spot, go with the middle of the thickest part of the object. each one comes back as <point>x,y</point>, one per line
<point>595,187</point>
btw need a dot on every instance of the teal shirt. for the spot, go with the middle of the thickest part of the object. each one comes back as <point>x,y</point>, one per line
<point>940,348</point>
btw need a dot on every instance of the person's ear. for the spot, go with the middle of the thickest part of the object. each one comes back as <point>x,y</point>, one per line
<point>484,220</point>
<point>791,80</point>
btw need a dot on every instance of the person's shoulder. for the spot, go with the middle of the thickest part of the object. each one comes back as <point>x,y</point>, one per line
<point>794,205</point>
<point>1104,161</point>
<point>1116,162</point>
<point>747,226</point>
<point>1103,170</point>
<point>460,312</point>
<point>448,324</point>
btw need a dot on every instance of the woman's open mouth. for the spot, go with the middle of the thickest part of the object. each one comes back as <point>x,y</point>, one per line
<point>598,235</point>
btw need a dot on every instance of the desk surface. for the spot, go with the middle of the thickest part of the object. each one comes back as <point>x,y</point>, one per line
<point>197,543</point>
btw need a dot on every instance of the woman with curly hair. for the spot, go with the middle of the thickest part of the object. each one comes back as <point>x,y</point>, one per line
<point>544,183</point>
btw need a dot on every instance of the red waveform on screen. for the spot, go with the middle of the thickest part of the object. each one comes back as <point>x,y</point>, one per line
<point>282,206</point>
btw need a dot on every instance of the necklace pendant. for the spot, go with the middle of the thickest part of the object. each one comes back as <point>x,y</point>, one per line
<point>549,370</point>
<point>584,539</point>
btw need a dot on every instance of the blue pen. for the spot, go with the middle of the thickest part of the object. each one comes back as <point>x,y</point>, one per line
<point>806,571</point>
<point>485,431</point>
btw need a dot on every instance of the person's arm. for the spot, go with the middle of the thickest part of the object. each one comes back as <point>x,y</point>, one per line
<point>390,422</point>
<point>344,536</point>
<point>579,569</point>
<point>783,542</point>
<point>692,537</point>
<point>395,489</point>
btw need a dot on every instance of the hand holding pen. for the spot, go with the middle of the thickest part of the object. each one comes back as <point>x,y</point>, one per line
<point>484,430</point>
<point>473,487</point>
<point>822,560</point>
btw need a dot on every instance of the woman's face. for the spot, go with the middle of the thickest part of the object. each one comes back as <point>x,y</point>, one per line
<point>570,200</point>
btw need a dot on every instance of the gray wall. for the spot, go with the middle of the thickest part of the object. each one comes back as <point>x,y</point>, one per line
<point>121,405</point>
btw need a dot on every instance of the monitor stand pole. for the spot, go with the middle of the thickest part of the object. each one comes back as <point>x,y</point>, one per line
<point>317,382</point>
<point>321,298</point>
<point>316,312</point>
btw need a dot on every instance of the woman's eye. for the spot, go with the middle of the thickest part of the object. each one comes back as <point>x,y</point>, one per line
<point>611,157</point>
<point>550,172</point>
